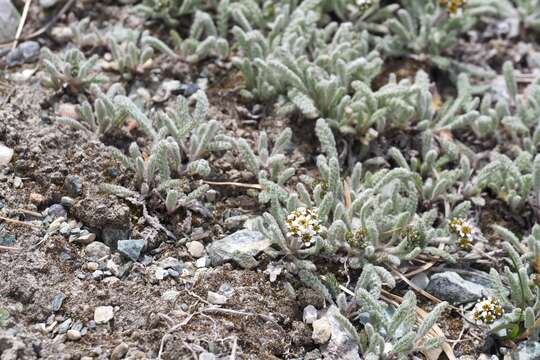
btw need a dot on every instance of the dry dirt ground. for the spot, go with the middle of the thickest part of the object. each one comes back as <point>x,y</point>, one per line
<point>259,321</point>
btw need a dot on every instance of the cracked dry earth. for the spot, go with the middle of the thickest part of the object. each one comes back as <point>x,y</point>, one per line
<point>48,285</point>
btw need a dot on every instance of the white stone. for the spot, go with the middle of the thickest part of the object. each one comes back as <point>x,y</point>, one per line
<point>310,314</point>
<point>215,298</point>
<point>321,330</point>
<point>73,335</point>
<point>170,295</point>
<point>195,248</point>
<point>5,155</point>
<point>103,314</point>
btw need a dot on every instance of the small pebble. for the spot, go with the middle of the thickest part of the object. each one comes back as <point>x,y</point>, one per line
<point>57,302</point>
<point>73,335</point>
<point>119,351</point>
<point>195,248</point>
<point>215,298</point>
<point>103,314</point>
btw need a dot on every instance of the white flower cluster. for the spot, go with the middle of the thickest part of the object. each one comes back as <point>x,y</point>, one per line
<point>464,231</point>
<point>304,224</point>
<point>487,311</point>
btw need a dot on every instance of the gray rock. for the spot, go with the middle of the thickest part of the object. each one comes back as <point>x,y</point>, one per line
<point>73,185</point>
<point>215,298</point>
<point>98,275</point>
<point>67,201</point>
<point>310,314</point>
<point>9,20</point>
<point>26,52</point>
<point>451,287</point>
<point>173,273</point>
<point>421,280</point>
<point>131,248</point>
<point>195,248</point>
<point>64,326</point>
<point>56,211</point>
<point>111,235</point>
<point>244,242</point>
<point>119,351</point>
<point>96,250</point>
<point>83,239</point>
<point>235,222</point>
<point>57,302</point>
<point>103,314</point>
<point>226,289</point>
<point>341,346</point>
<point>74,335</point>
<point>170,263</point>
<point>109,219</point>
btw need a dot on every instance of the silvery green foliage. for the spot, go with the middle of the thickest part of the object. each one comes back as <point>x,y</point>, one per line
<point>310,66</point>
<point>515,113</point>
<point>511,180</point>
<point>423,28</point>
<point>102,116</point>
<point>526,12</point>
<point>516,288</point>
<point>270,162</point>
<point>168,11</point>
<point>134,57</point>
<point>70,71</point>
<point>390,333</point>
<point>372,218</point>
<point>85,34</point>
<point>180,140</point>
<point>203,41</point>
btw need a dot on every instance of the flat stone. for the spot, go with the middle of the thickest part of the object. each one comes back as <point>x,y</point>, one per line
<point>96,250</point>
<point>57,301</point>
<point>243,242</point>
<point>215,298</point>
<point>451,287</point>
<point>103,314</point>
<point>170,263</point>
<point>235,222</point>
<point>131,248</point>
<point>84,239</point>
<point>195,248</point>
<point>64,326</point>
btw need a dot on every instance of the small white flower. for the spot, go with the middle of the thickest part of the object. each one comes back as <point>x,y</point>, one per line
<point>487,311</point>
<point>304,225</point>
